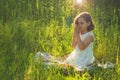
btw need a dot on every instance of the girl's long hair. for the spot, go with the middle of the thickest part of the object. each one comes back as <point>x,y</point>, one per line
<point>87,18</point>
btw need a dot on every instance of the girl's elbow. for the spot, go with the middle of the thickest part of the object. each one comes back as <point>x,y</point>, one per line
<point>82,48</point>
<point>73,46</point>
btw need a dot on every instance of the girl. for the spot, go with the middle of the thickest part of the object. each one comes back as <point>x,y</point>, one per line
<point>83,38</point>
<point>82,56</point>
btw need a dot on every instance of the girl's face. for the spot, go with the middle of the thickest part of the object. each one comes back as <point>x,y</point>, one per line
<point>82,24</point>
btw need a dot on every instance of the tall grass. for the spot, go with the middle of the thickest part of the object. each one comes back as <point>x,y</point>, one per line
<point>21,41</point>
<point>27,27</point>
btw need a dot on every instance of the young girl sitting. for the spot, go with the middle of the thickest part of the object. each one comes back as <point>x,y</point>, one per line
<point>83,38</point>
<point>82,56</point>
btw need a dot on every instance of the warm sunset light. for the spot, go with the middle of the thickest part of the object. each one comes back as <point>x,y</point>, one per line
<point>79,1</point>
<point>59,39</point>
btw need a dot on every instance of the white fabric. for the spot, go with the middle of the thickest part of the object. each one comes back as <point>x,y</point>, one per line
<point>81,58</point>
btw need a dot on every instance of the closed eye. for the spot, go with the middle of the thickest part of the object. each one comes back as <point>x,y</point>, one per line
<point>81,23</point>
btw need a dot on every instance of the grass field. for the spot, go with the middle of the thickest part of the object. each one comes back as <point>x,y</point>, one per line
<point>29,26</point>
<point>20,41</point>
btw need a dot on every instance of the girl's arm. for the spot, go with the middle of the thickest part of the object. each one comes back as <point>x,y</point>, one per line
<point>74,41</point>
<point>82,44</point>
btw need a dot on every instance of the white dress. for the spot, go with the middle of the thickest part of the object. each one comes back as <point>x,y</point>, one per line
<point>81,58</point>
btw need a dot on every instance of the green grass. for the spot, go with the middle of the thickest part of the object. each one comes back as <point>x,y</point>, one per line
<point>29,26</point>
<point>20,41</point>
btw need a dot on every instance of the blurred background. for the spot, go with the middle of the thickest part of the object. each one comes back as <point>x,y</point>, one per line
<point>29,26</point>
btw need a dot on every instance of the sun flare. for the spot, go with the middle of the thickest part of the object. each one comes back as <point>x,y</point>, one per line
<point>79,1</point>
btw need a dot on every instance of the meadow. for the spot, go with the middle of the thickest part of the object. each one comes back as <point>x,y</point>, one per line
<point>21,37</point>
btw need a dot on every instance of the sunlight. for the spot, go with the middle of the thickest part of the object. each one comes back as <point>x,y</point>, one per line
<point>79,1</point>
